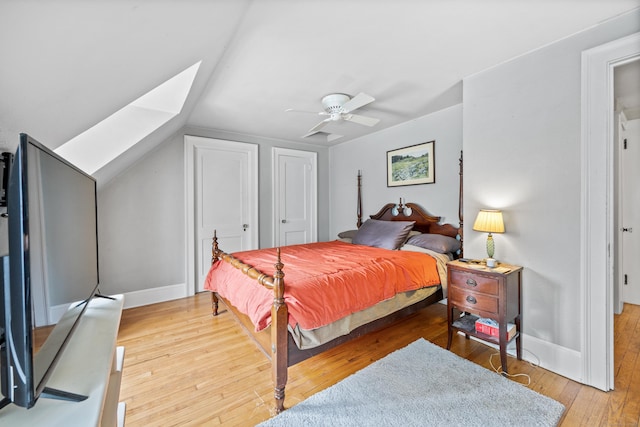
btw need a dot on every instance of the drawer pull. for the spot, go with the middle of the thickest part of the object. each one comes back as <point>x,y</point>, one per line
<point>471,282</point>
<point>471,299</point>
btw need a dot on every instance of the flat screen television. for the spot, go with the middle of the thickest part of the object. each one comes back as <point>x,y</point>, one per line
<point>53,245</point>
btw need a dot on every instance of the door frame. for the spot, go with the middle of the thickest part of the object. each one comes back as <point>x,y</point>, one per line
<point>311,155</point>
<point>191,142</point>
<point>596,213</point>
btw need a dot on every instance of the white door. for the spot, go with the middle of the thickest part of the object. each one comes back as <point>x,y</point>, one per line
<point>295,196</point>
<point>630,207</point>
<point>222,196</point>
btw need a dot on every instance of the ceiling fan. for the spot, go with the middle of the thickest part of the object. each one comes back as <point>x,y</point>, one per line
<point>338,107</point>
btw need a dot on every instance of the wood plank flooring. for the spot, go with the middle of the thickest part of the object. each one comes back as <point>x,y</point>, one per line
<point>184,367</point>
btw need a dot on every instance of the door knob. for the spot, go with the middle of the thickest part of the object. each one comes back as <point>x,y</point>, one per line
<point>244,227</point>
<point>284,221</point>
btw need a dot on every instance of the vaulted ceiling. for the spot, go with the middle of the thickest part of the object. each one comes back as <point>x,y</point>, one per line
<point>67,65</point>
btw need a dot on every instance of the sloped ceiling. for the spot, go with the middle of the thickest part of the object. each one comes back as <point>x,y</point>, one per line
<point>67,65</point>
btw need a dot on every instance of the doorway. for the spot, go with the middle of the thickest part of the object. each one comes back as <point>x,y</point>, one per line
<point>627,124</point>
<point>597,218</point>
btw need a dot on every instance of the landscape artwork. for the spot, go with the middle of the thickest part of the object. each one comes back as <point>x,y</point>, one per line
<point>411,165</point>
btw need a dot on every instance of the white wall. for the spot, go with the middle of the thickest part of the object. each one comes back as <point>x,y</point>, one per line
<point>141,224</point>
<point>142,218</point>
<point>369,154</point>
<point>522,133</point>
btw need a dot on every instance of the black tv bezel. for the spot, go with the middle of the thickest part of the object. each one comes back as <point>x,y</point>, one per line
<point>17,353</point>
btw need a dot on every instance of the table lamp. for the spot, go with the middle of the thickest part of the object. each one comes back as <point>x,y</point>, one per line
<point>489,221</point>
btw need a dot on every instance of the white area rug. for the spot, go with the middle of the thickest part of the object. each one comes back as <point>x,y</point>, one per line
<point>423,385</point>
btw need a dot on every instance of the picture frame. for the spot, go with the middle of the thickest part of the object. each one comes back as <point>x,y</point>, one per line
<point>411,165</point>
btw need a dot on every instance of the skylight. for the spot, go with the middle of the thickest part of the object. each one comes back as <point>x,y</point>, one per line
<point>105,141</point>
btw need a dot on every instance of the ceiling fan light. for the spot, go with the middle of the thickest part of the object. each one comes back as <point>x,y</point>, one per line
<point>333,103</point>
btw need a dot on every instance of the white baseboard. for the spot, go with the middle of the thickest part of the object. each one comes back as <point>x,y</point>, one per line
<point>555,358</point>
<point>155,295</point>
<point>552,357</point>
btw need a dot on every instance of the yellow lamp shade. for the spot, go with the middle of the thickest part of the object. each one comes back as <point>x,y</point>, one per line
<point>489,221</point>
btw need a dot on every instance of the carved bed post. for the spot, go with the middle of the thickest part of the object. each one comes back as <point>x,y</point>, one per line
<point>214,256</point>
<point>279,336</point>
<point>460,210</point>
<point>359,207</point>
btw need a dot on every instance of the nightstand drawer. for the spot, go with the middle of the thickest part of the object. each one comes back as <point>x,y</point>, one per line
<point>474,282</point>
<point>473,301</point>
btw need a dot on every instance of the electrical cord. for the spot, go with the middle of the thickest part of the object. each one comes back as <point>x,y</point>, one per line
<point>500,371</point>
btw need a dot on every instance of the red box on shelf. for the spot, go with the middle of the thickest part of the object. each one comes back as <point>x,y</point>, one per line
<point>490,327</point>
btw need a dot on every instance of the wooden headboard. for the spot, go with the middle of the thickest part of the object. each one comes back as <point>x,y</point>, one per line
<point>424,222</point>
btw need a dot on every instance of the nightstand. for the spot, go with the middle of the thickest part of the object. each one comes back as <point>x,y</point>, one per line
<point>493,293</point>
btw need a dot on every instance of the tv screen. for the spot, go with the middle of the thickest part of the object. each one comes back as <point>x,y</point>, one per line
<point>53,254</point>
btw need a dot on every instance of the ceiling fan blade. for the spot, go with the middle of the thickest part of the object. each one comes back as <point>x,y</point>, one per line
<point>361,120</point>
<point>360,100</point>
<point>319,126</point>
<point>319,113</point>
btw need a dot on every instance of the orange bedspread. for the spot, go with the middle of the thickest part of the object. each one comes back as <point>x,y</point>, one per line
<point>323,281</point>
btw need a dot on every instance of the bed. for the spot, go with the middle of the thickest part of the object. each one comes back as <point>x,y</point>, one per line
<point>391,266</point>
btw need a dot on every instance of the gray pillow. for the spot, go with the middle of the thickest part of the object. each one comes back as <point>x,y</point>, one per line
<point>347,234</point>
<point>383,234</point>
<point>435,242</point>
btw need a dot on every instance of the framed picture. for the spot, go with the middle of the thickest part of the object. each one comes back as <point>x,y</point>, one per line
<point>411,165</point>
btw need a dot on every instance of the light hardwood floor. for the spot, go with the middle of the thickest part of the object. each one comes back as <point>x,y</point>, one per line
<point>184,367</point>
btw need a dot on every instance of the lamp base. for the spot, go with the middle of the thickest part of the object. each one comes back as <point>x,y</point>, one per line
<point>490,246</point>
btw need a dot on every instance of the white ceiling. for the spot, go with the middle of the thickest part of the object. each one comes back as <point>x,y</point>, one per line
<point>66,65</point>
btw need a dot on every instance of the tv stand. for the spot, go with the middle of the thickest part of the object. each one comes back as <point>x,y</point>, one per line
<point>54,393</point>
<point>98,295</point>
<point>91,366</point>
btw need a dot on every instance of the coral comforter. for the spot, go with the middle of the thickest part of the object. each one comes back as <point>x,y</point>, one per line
<point>324,281</point>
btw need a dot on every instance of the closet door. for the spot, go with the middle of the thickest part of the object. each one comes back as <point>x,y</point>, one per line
<point>294,197</point>
<point>222,195</point>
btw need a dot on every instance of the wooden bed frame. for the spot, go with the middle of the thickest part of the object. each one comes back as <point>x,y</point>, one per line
<point>280,347</point>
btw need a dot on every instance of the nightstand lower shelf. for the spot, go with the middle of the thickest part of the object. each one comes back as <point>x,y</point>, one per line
<point>466,325</point>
